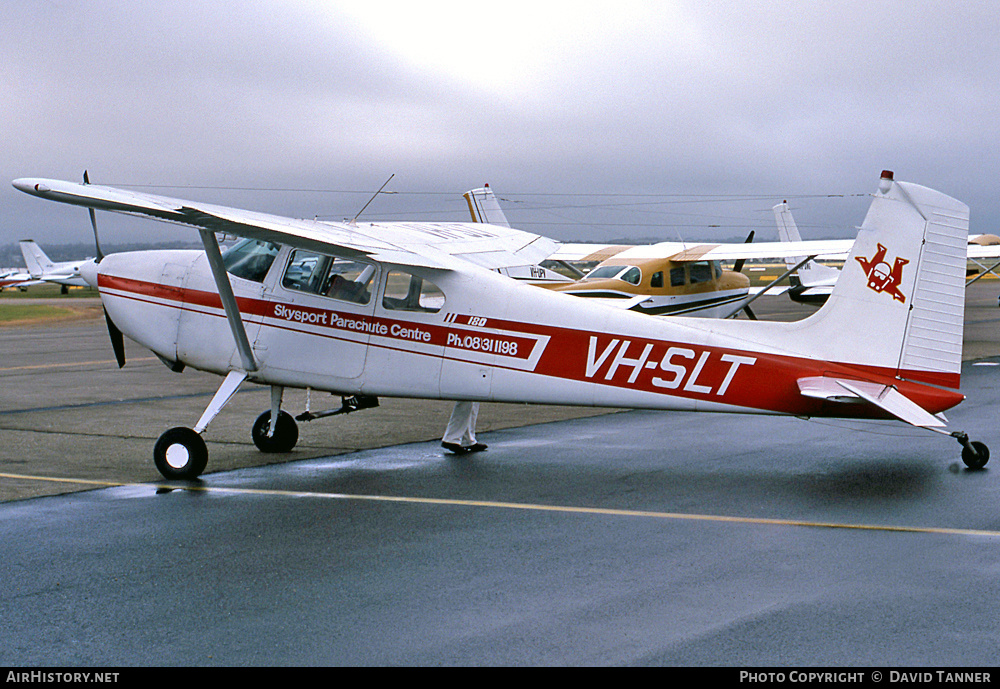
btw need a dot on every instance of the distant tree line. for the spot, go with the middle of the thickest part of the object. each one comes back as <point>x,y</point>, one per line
<point>10,254</point>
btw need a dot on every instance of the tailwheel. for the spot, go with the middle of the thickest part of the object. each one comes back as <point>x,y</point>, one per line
<point>975,454</point>
<point>286,433</point>
<point>180,453</point>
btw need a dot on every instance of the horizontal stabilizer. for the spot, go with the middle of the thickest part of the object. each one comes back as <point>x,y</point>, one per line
<point>884,397</point>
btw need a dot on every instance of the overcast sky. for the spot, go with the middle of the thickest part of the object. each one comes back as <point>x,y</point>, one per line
<point>565,108</point>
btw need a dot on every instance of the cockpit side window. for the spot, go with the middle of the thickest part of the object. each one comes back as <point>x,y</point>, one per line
<point>408,292</point>
<point>250,259</point>
<point>632,276</point>
<point>329,276</point>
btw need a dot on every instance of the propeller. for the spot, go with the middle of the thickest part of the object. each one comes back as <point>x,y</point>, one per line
<point>117,339</point>
<point>93,223</point>
<point>738,268</point>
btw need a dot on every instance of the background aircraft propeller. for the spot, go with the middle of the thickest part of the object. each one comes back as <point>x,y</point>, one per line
<point>738,268</point>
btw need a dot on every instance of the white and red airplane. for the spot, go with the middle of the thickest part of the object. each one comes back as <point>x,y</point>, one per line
<point>418,310</point>
<point>17,278</point>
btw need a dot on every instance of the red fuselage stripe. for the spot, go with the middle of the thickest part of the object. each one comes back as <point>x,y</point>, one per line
<point>741,378</point>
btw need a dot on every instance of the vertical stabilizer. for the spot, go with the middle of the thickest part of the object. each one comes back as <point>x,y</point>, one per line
<point>900,300</point>
<point>484,207</point>
<point>35,259</point>
<point>811,273</point>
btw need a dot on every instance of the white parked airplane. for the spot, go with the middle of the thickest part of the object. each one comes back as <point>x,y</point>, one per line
<point>812,282</point>
<point>417,310</point>
<point>42,268</point>
<point>16,278</point>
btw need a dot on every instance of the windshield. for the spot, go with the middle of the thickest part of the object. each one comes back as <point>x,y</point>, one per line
<point>604,272</point>
<point>250,259</point>
<point>629,274</point>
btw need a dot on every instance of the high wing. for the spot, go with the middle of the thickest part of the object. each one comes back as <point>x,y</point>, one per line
<point>825,249</point>
<point>430,245</point>
<point>830,249</point>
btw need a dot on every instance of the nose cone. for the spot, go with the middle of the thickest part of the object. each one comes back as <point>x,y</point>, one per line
<point>733,280</point>
<point>89,271</point>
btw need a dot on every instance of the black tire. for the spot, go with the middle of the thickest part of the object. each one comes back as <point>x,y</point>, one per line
<point>977,459</point>
<point>286,433</point>
<point>180,453</point>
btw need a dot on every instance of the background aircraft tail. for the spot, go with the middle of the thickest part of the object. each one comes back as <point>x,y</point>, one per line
<point>812,273</point>
<point>484,207</point>
<point>35,259</point>
<point>900,300</point>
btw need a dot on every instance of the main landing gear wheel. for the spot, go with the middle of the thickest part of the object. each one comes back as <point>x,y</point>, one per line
<point>180,453</point>
<point>976,456</point>
<point>286,433</point>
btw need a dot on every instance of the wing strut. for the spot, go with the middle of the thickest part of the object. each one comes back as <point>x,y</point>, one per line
<point>984,273</point>
<point>228,299</point>
<point>746,302</point>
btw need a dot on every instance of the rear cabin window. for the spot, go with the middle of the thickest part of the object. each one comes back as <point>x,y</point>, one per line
<point>250,259</point>
<point>408,292</point>
<point>656,280</point>
<point>677,277</point>
<point>343,279</point>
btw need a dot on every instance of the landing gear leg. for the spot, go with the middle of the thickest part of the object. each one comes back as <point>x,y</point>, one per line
<point>275,430</point>
<point>974,453</point>
<point>181,453</point>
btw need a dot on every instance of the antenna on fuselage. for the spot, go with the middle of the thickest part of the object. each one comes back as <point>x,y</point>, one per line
<point>354,220</point>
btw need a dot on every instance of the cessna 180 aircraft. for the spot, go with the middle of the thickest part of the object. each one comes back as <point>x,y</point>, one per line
<point>417,310</point>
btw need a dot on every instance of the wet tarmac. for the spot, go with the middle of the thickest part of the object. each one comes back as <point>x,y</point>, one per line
<point>625,538</point>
